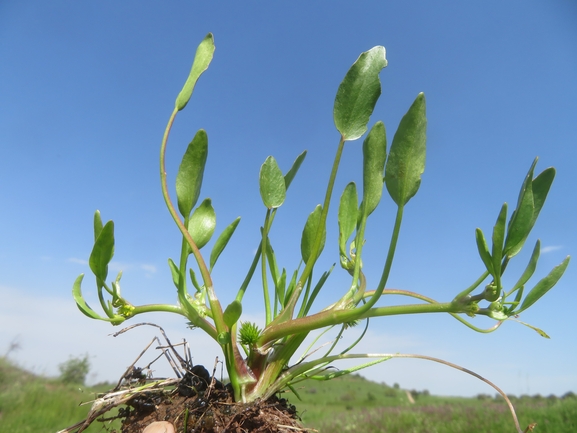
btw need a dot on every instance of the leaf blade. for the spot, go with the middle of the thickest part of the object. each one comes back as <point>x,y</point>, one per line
<point>191,172</point>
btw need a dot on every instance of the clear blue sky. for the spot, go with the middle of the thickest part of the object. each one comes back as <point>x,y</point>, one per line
<point>86,89</point>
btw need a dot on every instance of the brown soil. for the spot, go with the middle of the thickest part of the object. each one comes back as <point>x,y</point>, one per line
<point>201,404</point>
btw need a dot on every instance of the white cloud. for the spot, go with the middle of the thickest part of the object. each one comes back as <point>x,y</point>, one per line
<point>78,261</point>
<point>550,248</point>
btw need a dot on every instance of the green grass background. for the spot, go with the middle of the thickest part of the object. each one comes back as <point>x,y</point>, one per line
<point>30,403</point>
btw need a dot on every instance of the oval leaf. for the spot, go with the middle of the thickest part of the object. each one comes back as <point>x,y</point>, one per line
<point>190,173</point>
<point>102,252</point>
<point>406,161</point>
<point>310,233</point>
<point>202,59</point>
<point>347,215</point>
<point>202,223</point>
<point>222,241</point>
<point>374,156</point>
<point>358,93</point>
<point>272,184</point>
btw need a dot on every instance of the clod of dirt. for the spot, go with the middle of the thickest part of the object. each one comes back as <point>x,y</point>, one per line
<point>201,404</point>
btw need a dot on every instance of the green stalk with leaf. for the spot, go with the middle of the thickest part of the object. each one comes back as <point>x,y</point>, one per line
<point>258,358</point>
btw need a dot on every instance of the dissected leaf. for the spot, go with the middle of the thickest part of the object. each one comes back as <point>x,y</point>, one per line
<point>85,308</point>
<point>202,223</point>
<point>544,285</point>
<point>310,233</point>
<point>406,162</point>
<point>102,252</point>
<point>374,156</point>
<point>222,241</point>
<point>191,172</point>
<point>293,170</point>
<point>202,59</point>
<point>358,93</point>
<point>347,215</point>
<point>272,184</point>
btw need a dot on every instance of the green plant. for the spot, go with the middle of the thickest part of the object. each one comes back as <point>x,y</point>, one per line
<point>74,370</point>
<point>257,358</point>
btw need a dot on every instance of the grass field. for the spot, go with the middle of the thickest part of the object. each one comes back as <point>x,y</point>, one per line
<point>30,403</point>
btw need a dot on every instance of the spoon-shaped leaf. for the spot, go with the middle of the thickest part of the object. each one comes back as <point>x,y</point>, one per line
<point>272,184</point>
<point>544,285</point>
<point>222,241</point>
<point>310,234</point>
<point>358,93</point>
<point>347,215</point>
<point>406,161</point>
<point>202,59</point>
<point>190,173</point>
<point>202,223</point>
<point>102,252</point>
<point>232,313</point>
<point>374,156</point>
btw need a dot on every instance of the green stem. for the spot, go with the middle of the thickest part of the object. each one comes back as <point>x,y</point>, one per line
<point>268,317</point>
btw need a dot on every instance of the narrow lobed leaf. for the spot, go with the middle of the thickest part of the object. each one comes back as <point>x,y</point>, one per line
<point>406,162</point>
<point>498,240</point>
<point>544,285</point>
<point>97,224</point>
<point>191,172</point>
<point>521,220</point>
<point>358,94</point>
<point>531,266</point>
<point>222,241</point>
<point>293,170</point>
<point>484,251</point>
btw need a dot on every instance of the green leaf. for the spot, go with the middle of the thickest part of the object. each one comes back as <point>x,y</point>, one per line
<point>544,285</point>
<point>484,251</point>
<point>531,266</point>
<point>406,162</point>
<point>102,252</point>
<point>232,313</point>
<point>85,308</point>
<point>521,220</point>
<point>174,271</point>
<point>498,239</point>
<point>293,170</point>
<point>190,173</point>
<point>272,184</point>
<point>358,93</point>
<point>97,224</point>
<point>541,185</point>
<point>202,223</point>
<point>310,233</point>
<point>374,156</point>
<point>347,216</point>
<point>222,241</point>
<point>202,59</point>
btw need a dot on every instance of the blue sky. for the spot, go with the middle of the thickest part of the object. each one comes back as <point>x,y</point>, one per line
<point>86,89</point>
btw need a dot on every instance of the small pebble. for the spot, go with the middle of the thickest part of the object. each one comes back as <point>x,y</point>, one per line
<point>159,427</point>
